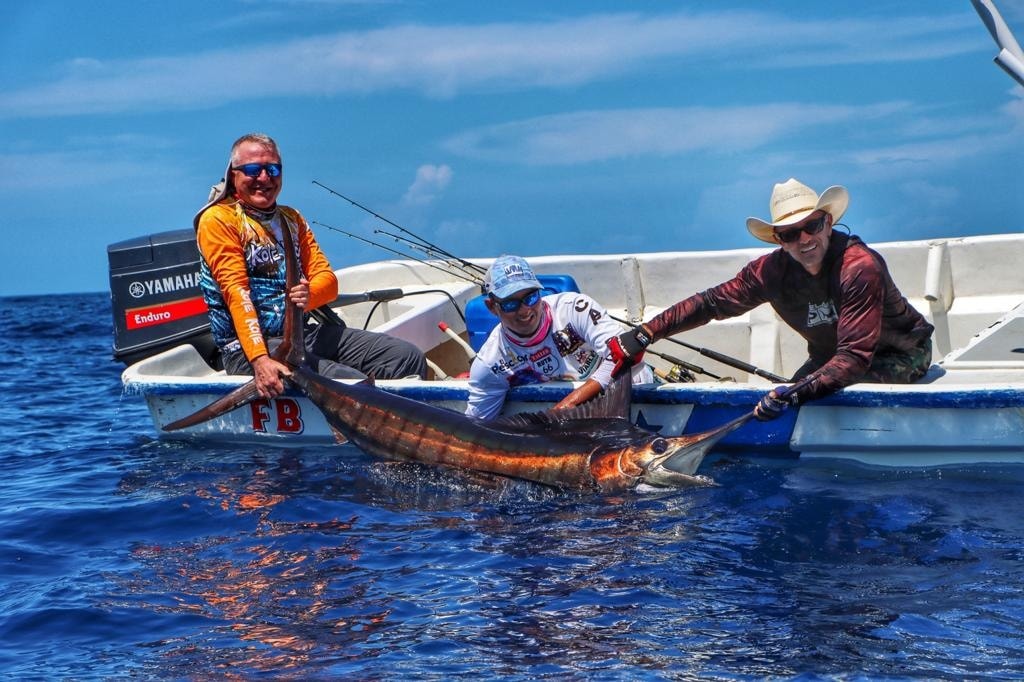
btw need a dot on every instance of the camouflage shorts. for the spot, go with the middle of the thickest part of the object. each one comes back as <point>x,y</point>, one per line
<point>900,367</point>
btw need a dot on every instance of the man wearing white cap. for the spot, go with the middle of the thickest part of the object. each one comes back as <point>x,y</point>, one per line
<point>540,338</point>
<point>828,286</point>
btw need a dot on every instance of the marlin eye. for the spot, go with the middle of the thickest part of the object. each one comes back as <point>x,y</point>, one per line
<point>659,445</point>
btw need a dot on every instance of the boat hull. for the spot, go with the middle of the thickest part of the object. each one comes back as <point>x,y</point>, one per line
<point>918,425</point>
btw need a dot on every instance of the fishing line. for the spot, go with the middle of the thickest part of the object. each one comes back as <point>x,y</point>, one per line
<point>447,271</point>
<point>412,234</point>
<point>433,254</point>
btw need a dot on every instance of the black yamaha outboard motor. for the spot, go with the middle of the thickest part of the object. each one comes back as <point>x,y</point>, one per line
<point>156,299</point>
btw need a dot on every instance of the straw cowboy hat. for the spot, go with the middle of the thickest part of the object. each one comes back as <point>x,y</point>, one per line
<point>792,201</point>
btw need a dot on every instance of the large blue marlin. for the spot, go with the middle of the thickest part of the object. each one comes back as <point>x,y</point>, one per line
<point>593,446</point>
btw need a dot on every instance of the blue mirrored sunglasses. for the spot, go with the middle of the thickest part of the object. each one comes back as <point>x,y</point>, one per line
<point>253,170</point>
<point>510,305</point>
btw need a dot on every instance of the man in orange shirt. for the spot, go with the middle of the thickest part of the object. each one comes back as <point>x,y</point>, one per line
<point>240,237</point>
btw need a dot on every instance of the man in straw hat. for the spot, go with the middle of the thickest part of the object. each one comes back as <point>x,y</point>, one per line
<point>240,233</point>
<point>828,286</point>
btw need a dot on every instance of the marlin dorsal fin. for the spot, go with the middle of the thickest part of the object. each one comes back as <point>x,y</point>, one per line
<point>613,403</point>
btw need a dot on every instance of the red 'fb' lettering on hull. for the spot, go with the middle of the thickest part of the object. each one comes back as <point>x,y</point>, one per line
<point>137,318</point>
<point>285,411</point>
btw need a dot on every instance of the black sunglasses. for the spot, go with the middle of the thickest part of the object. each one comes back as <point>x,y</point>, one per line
<point>791,235</point>
<point>510,305</point>
<point>253,170</point>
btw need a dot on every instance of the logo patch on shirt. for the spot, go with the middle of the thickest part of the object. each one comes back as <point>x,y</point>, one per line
<point>262,258</point>
<point>540,355</point>
<point>588,361</point>
<point>821,313</point>
<point>506,366</point>
<point>567,340</point>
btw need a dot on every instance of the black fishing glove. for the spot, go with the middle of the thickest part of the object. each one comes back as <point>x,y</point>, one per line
<point>627,349</point>
<point>773,404</point>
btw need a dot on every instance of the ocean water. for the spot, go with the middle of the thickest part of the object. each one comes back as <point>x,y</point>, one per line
<point>122,556</point>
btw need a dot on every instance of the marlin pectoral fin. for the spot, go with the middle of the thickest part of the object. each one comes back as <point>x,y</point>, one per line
<point>238,397</point>
<point>339,437</point>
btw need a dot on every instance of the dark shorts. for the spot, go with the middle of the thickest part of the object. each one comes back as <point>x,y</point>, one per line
<point>341,352</point>
<point>900,367</point>
<point>891,366</point>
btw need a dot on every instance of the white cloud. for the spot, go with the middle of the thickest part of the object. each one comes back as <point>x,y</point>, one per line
<point>430,181</point>
<point>1015,107</point>
<point>940,151</point>
<point>465,234</point>
<point>599,135</point>
<point>442,61</point>
<point>883,39</point>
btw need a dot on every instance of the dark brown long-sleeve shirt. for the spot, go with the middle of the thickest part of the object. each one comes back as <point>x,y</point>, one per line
<point>848,312</point>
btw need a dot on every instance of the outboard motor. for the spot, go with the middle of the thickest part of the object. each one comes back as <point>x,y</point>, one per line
<point>156,299</point>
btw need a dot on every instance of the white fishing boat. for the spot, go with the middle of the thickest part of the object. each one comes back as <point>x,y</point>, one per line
<point>969,408</point>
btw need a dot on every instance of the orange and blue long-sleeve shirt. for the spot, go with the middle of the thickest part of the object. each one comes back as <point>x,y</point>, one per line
<point>242,273</point>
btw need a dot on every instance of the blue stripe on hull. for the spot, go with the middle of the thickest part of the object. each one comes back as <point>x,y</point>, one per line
<point>773,435</point>
<point>711,407</point>
<point>740,398</point>
<point>746,396</point>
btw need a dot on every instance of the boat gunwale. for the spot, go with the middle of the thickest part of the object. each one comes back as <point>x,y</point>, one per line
<point>704,394</point>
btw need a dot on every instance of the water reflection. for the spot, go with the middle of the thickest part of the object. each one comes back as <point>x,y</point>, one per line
<point>129,558</point>
<point>276,584</point>
<point>327,562</point>
<point>306,556</point>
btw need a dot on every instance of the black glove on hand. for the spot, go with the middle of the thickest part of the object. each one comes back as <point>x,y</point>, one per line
<point>627,349</point>
<point>774,403</point>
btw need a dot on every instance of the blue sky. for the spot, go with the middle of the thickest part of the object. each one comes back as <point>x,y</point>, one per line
<point>527,127</point>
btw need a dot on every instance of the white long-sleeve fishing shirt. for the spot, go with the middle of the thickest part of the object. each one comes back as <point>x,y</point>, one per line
<point>575,348</point>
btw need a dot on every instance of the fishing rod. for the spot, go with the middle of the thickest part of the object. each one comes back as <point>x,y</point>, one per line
<point>383,295</point>
<point>684,365</point>
<point>442,254</point>
<point>719,357</point>
<point>431,253</point>
<point>447,271</point>
<point>436,252</point>
<point>415,236</point>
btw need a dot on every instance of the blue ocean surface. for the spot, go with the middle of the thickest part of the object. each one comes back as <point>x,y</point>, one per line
<point>122,556</point>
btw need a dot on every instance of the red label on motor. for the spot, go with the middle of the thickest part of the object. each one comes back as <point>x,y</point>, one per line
<point>137,318</point>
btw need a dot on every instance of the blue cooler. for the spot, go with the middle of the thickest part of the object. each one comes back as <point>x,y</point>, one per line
<point>480,321</point>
